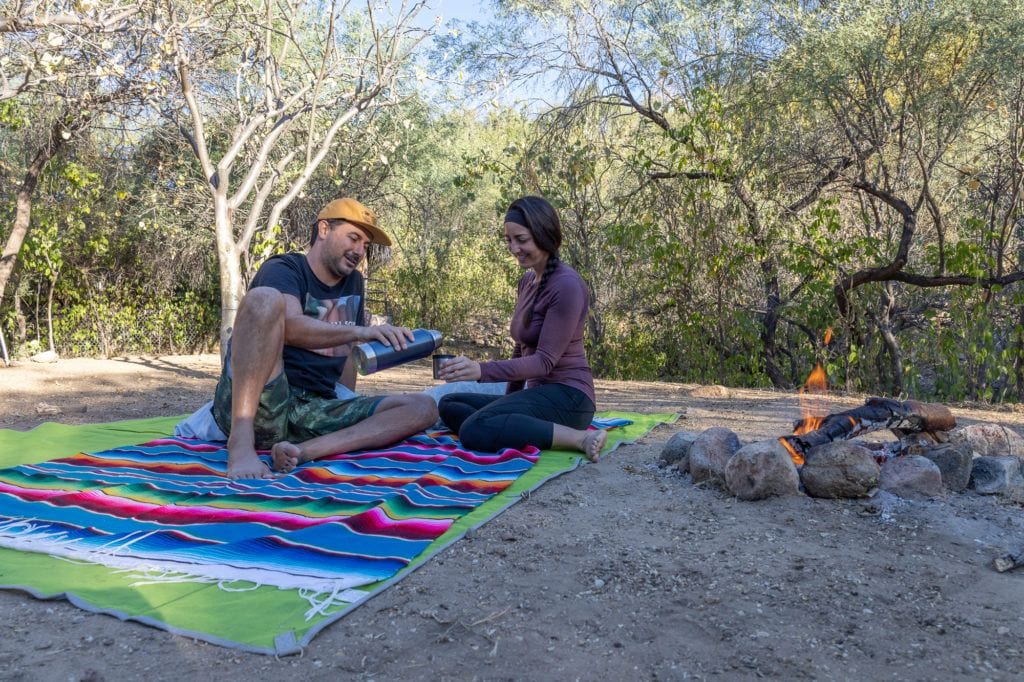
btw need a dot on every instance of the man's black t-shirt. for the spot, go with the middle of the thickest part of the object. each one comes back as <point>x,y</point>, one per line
<point>315,370</point>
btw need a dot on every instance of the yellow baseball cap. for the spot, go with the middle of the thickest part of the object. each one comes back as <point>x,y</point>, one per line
<point>352,211</point>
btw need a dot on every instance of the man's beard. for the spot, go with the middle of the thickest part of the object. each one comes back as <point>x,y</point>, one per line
<point>335,265</point>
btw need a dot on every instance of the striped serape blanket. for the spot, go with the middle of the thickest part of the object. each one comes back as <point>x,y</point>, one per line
<point>202,556</point>
<point>164,508</point>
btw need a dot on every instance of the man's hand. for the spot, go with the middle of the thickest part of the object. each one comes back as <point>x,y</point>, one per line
<point>389,335</point>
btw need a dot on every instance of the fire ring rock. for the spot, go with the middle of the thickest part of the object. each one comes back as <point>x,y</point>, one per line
<point>912,477</point>
<point>840,470</point>
<point>677,450</point>
<point>990,440</point>
<point>997,475</point>
<point>953,459</point>
<point>710,453</point>
<point>762,470</point>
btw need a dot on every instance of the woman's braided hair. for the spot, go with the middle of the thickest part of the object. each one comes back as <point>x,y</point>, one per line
<point>546,229</point>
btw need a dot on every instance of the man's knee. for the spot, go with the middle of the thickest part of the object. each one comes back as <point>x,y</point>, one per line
<point>420,407</point>
<point>262,304</point>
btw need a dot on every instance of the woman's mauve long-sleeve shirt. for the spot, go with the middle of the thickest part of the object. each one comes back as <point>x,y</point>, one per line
<point>549,349</point>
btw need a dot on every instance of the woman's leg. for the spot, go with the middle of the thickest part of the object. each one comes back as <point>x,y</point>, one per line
<point>456,408</point>
<point>588,441</point>
<point>546,415</point>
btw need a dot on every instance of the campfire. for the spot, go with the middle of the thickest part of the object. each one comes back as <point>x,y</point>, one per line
<point>817,385</point>
<point>826,456</point>
<point>912,422</point>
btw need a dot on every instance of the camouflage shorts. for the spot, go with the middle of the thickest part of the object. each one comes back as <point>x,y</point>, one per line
<point>292,414</point>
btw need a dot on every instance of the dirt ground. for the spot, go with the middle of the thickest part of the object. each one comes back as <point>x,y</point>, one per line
<point>619,570</point>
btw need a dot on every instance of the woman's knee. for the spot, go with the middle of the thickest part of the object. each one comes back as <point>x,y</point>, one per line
<point>474,437</point>
<point>454,412</point>
<point>451,406</point>
<point>446,402</point>
<point>485,432</point>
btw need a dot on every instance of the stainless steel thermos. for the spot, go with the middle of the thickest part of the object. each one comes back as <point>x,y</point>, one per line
<point>374,356</point>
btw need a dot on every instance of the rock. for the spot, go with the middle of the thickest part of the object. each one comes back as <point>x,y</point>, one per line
<point>840,470</point>
<point>912,477</point>
<point>677,450</point>
<point>713,391</point>
<point>990,440</point>
<point>710,453</point>
<point>762,470</point>
<point>47,408</point>
<point>997,476</point>
<point>954,460</point>
<point>45,356</point>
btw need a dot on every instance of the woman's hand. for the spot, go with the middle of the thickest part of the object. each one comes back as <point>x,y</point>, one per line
<point>459,368</point>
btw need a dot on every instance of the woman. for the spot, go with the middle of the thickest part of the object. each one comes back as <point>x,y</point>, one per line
<point>557,404</point>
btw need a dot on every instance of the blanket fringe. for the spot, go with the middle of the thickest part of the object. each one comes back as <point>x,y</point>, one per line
<point>323,603</point>
<point>27,531</point>
<point>30,535</point>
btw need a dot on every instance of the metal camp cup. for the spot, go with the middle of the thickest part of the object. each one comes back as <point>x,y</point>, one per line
<point>439,360</point>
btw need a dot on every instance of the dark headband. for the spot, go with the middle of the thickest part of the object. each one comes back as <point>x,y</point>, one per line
<point>516,215</point>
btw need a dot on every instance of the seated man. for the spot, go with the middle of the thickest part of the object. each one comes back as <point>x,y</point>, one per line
<point>288,348</point>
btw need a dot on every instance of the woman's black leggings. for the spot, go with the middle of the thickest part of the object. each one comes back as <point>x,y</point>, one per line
<point>490,423</point>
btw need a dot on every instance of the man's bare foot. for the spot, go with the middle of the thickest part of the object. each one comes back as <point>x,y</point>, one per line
<point>593,443</point>
<point>245,463</point>
<point>286,456</point>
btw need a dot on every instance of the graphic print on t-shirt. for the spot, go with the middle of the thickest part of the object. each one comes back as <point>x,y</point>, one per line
<point>342,310</point>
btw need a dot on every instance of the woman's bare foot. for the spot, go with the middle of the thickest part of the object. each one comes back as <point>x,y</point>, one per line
<point>593,443</point>
<point>286,456</point>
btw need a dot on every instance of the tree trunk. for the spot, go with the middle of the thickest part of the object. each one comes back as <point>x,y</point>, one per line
<point>892,345</point>
<point>49,313</point>
<point>23,202</point>
<point>21,322</point>
<point>770,325</point>
<point>230,268</point>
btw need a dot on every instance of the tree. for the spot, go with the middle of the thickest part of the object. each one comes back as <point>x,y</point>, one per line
<point>911,92</point>
<point>261,91</point>
<point>46,43</point>
<point>683,73</point>
<point>67,67</point>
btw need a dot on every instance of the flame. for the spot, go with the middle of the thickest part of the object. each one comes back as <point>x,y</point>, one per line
<point>812,409</point>
<point>797,458</point>
<point>812,405</point>
<point>828,335</point>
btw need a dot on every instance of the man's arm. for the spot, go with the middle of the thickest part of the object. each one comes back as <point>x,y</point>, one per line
<point>348,374</point>
<point>304,331</point>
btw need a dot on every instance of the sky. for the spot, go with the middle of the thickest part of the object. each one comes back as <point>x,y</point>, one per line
<point>463,10</point>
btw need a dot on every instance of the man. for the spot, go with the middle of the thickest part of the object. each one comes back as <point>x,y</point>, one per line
<point>289,348</point>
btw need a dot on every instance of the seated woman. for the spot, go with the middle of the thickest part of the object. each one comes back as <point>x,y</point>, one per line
<point>557,404</point>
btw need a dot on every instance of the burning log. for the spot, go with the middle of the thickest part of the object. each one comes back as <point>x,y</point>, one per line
<point>901,417</point>
<point>1009,561</point>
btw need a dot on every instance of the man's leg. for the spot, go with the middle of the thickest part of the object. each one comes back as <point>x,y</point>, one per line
<point>256,345</point>
<point>396,418</point>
